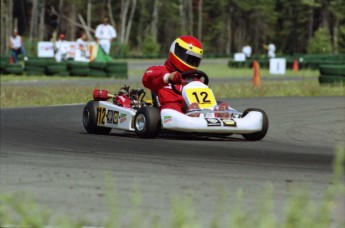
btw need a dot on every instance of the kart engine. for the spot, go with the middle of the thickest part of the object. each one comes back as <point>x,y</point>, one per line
<point>130,98</point>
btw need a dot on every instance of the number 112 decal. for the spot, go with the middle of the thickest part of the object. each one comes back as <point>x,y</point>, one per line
<point>101,116</point>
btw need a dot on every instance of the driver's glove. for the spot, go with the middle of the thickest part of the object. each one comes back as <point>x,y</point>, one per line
<point>175,77</point>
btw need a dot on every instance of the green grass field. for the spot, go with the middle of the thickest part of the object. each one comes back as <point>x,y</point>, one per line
<point>59,93</point>
<point>18,96</point>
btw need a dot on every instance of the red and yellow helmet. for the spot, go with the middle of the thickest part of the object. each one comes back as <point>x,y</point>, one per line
<point>186,53</point>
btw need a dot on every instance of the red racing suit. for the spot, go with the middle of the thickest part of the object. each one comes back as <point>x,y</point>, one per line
<point>153,80</point>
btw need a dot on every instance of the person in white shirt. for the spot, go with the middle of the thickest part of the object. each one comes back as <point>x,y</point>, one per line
<point>61,49</point>
<point>271,50</point>
<point>105,34</point>
<point>16,46</point>
<point>82,52</point>
<point>247,50</point>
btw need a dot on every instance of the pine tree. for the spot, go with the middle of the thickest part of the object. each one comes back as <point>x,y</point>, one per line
<point>320,43</point>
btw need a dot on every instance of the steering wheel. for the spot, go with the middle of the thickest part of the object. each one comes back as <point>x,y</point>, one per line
<point>191,74</point>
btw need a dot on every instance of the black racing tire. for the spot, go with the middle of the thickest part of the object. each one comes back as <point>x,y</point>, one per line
<point>39,62</point>
<point>336,70</point>
<point>79,72</point>
<point>34,68</point>
<point>90,119</point>
<point>97,65</point>
<point>13,65</point>
<point>14,70</point>
<point>34,73</point>
<point>147,122</point>
<point>117,65</point>
<point>257,135</point>
<point>331,79</point>
<point>62,73</point>
<point>112,69</point>
<point>55,68</point>
<point>3,63</point>
<point>119,70</point>
<point>78,65</point>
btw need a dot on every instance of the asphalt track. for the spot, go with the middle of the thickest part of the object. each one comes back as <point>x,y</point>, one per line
<point>46,152</point>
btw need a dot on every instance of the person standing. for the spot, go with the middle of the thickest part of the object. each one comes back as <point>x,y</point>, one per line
<point>82,52</point>
<point>271,51</point>
<point>61,48</point>
<point>105,34</point>
<point>247,51</point>
<point>16,46</point>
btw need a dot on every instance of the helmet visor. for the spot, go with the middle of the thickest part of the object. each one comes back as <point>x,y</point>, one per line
<point>187,56</point>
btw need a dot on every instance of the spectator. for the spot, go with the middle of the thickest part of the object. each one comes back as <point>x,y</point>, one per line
<point>105,34</point>
<point>16,46</point>
<point>82,52</point>
<point>61,49</point>
<point>271,50</point>
<point>247,51</point>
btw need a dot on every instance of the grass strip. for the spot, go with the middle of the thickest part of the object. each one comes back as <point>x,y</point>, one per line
<point>15,96</point>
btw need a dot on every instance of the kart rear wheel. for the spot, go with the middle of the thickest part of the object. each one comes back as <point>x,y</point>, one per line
<point>90,120</point>
<point>261,134</point>
<point>147,122</point>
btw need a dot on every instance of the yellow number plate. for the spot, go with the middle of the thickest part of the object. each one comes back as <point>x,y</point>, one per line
<point>101,116</point>
<point>203,96</point>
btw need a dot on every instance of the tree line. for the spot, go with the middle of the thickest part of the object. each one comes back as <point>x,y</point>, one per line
<point>149,26</point>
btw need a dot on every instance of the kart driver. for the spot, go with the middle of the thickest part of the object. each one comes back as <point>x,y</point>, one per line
<point>185,54</point>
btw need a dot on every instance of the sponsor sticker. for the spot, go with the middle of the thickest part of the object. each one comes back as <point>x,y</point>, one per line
<point>167,119</point>
<point>229,123</point>
<point>122,117</point>
<point>116,117</point>
<point>110,115</point>
<point>213,122</point>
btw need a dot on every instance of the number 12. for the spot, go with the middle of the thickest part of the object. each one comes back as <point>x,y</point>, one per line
<point>203,95</point>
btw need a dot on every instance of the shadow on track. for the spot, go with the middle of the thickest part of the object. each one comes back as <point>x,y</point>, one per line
<point>170,135</point>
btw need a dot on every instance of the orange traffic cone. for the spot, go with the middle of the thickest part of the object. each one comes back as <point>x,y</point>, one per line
<point>256,77</point>
<point>295,67</point>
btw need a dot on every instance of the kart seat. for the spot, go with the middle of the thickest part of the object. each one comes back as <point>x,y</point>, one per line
<point>155,100</point>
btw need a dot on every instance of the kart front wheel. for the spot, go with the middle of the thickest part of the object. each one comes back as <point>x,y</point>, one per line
<point>147,122</point>
<point>260,134</point>
<point>90,119</point>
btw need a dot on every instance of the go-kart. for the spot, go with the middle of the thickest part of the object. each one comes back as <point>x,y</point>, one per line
<point>129,111</point>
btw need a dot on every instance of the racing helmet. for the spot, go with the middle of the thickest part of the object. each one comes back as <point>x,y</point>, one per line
<point>186,53</point>
<point>62,36</point>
